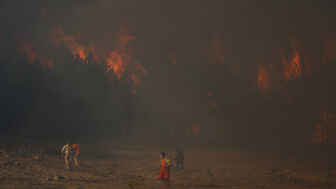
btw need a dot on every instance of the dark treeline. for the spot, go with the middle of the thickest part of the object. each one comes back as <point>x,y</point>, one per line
<point>69,100</point>
<point>284,116</point>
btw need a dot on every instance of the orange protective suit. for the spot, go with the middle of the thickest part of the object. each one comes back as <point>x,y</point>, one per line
<point>164,171</point>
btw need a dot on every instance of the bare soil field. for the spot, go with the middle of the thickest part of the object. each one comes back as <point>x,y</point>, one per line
<point>136,167</point>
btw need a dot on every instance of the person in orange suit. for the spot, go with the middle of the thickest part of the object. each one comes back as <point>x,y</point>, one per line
<point>164,168</point>
<point>75,150</point>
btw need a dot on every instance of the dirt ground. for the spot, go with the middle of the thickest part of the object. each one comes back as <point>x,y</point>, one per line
<point>136,167</point>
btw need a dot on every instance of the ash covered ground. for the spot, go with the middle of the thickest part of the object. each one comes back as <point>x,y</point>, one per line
<point>115,165</point>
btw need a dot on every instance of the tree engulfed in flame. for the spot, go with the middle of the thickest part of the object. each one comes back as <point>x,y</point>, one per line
<point>70,42</point>
<point>118,59</point>
<point>263,79</point>
<point>292,68</point>
<point>115,63</point>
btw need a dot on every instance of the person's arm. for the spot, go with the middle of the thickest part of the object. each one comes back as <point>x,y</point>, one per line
<point>63,148</point>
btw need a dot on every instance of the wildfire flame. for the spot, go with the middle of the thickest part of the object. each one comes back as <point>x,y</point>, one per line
<point>119,58</point>
<point>70,42</point>
<point>292,68</point>
<point>114,62</point>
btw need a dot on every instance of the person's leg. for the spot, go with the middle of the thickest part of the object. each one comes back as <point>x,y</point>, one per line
<point>76,160</point>
<point>168,176</point>
<point>162,173</point>
<point>66,160</point>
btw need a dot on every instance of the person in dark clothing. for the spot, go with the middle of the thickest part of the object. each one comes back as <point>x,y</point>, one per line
<point>179,158</point>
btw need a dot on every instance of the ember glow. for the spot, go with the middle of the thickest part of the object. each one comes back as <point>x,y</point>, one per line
<point>292,67</point>
<point>70,42</point>
<point>33,56</point>
<point>27,50</point>
<point>196,129</point>
<point>263,79</point>
<point>117,60</point>
<point>325,130</point>
<point>115,63</point>
<point>320,135</point>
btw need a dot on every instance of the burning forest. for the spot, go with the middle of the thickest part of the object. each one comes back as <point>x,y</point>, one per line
<point>234,94</point>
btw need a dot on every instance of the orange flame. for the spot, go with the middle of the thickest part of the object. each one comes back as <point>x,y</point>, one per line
<point>114,62</point>
<point>70,42</point>
<point>292,68</point>
<point>117,60</point>
<point>263,79</point>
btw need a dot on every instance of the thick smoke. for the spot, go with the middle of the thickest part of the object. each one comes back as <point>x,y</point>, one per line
<point>188,74</point>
